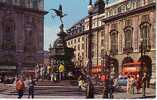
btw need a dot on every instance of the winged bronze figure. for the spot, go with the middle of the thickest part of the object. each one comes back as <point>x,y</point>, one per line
<point>59,13</point>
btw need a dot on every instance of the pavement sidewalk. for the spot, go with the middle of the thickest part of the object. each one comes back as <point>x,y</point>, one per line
<point>150,93</point>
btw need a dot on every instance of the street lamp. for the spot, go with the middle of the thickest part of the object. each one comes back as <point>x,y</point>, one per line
<point>90,11</point>
<point>110,74</point>
<point>142,54</point>
<point>106,72</point>
<point>90,87</point>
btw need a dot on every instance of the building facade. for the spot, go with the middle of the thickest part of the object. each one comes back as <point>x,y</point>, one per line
<point>21,34</point>
<point>118,31</point>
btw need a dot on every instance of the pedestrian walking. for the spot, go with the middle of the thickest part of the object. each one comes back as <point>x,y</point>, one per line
<point>37,72</point>
<point>20,87</point>
<point>132,85</point>
<point>115,82</point>
<point>31,84</point>
<point>128,85</point>
<point>52,76</point>
<point>61,72</point>
<point>70,75</point>
<point>144,79</point>
<point>55,74</point>
<point>45,72</point>
<point>90,89</point>
<point>110,87</point>
<point>2,77</point>
<point>42,72</point>
<point>49,71</point>
<point>138,83</point>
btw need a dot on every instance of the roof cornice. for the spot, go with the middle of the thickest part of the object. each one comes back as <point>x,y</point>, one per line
<point>148,7</point>
<point>22,8</point>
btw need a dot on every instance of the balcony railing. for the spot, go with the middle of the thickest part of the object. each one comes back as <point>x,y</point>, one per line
<point>127,50</point>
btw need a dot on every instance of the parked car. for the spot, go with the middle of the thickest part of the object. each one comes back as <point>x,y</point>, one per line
<point>122,81</point>
<point>121,84</point>
<point>9,80</point>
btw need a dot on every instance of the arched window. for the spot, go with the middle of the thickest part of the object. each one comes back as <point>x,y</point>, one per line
<point>128,37</point>
<point>119,9</point>
<point>145,29</point>
<point>9,35</point>
<point>111,12</point>
<point>114,41</point>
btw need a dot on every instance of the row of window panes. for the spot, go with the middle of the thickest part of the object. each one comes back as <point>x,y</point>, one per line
<point>78,47</point>
<point>77,30</point>
<point>26,3</point>
<point>71,42</point>
<point>128,6</point>
<point>128,38</point>
<point>80,57</point>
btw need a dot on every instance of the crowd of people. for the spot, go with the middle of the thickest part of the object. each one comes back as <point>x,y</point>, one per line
<point>49,72</point>
<point>42,72</point>
<point>136,82</point>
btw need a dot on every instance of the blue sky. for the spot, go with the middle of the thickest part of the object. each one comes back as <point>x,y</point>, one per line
<point>76,10</point>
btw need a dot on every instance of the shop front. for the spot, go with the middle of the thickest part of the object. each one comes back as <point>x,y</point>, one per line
<point>7,70</point>
<point>133,68</point>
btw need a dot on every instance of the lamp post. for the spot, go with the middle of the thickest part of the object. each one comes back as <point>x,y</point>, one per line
<point>142,53</point>
<point>90,11</point>
<point>90,87</point>
<point>143,74</point>
<point>106,72</point>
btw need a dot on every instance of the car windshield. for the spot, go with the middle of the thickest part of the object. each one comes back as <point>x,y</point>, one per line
<point>121,78</point>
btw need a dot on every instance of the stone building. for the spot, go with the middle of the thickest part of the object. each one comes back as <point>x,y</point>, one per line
<point>118,30</point>
<point>21,34</point>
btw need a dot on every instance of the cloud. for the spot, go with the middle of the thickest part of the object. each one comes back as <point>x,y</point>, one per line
<point>50,35</point>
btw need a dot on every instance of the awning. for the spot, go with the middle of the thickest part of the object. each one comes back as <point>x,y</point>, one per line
<point>7,67</point>
<point>135,63</point>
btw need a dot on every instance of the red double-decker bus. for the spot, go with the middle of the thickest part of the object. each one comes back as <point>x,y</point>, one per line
<point>97,72</point>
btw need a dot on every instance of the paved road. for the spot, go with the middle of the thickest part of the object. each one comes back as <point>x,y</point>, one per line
<point>150,94</point>
<point>41,97</point>
<point>67,91</point>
